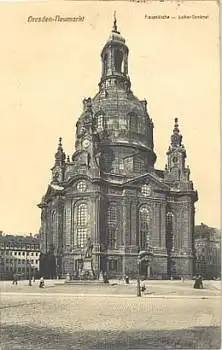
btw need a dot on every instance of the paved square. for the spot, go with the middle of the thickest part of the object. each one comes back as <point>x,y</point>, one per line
<point>66,317</point>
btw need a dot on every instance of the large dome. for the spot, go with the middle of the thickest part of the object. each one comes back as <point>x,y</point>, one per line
<point>123,127</point>
<point>125,116</point>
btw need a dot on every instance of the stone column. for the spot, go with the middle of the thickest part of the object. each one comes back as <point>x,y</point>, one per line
<point>163,226</point>
<point>94,225</point>
<point>160,226</point>
<point>68,226</point>
<point>125,227</point>
<point>44,225</point>
<point>49,231</point>
<point>134,220</point>
<point>155,217</point>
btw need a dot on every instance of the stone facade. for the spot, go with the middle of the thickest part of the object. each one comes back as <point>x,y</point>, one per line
<point>207,251</point>
<point>110,190</point>
<point>19,255</point>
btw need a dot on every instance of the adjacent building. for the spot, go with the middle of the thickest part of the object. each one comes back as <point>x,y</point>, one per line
<point>19,255</point>
<point>208,251</point>
<point>109,189</point>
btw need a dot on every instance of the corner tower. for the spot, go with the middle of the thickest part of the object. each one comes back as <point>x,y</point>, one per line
<point>176,171</point>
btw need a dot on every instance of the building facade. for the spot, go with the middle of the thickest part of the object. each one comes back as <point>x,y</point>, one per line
<point>110,191</point>
<point>208,251</point>
<point>19,255</point>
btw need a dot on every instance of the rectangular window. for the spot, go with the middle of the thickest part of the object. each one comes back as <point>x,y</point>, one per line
<point>121,165</point>
<point>19,253</point>
<point>36,261</point>
<point>23,269</point>
<point>128,163</point>
<point>138,164</point>
<point>23,253</point>
<point>100,122</point>
<point>27,253</point>
<point>19,269</point>
<point>32,261</point>
<point>123,124</point>
<point>112,225</point>
<point>32,254</point>
<point>113,265</point>
<point>15,253</point>
<point>36,254</point>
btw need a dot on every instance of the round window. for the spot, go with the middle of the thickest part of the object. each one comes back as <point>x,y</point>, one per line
<point>81,186</point>
<point>146,190</point>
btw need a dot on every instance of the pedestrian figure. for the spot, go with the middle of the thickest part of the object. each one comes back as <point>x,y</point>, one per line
<point>15,279</point>
<point>201,281</point>
<point>143,287</point>
<point>41,282</point>
<point>127,279</point>
<point>105,278</point>
<point>198,282</point>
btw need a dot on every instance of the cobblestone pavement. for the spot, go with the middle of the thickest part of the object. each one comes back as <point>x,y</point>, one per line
<point>59,318</point>
<point>154,288</point>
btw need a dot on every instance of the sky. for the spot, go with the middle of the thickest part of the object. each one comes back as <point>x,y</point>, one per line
<point>46,69</point>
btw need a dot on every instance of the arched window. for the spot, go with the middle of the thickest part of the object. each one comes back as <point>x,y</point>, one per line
<point>53,216</point>
<point>82,225</point>
<point>169,229</point>
<point>105,59</point>
<point>100,122</point>
<point>133,121</point>
<point>112,225</point>
<point>53,237</point>
<point>118,58</point>
<point>144,227</point>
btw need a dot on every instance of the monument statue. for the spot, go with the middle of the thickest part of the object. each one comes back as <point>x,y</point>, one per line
<point>89,248</point>
<point>87,272</point>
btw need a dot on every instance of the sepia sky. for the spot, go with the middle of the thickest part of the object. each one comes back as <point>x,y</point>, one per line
<point>46,69</point>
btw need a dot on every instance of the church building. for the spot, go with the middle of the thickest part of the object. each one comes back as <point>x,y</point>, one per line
<point>110,191</point>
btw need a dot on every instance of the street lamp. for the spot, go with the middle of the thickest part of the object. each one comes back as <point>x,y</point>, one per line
<point>142,256</point>
<point>30,277</point>
<point>138,277</point>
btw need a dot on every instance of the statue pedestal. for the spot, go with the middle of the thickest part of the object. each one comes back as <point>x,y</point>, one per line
<point>87,270</point>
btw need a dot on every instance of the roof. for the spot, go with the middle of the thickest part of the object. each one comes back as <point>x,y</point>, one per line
<point>18,239</point>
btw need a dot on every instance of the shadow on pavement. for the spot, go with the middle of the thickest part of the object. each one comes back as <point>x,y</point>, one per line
<point>15,337</point>
<point>17,305</point>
